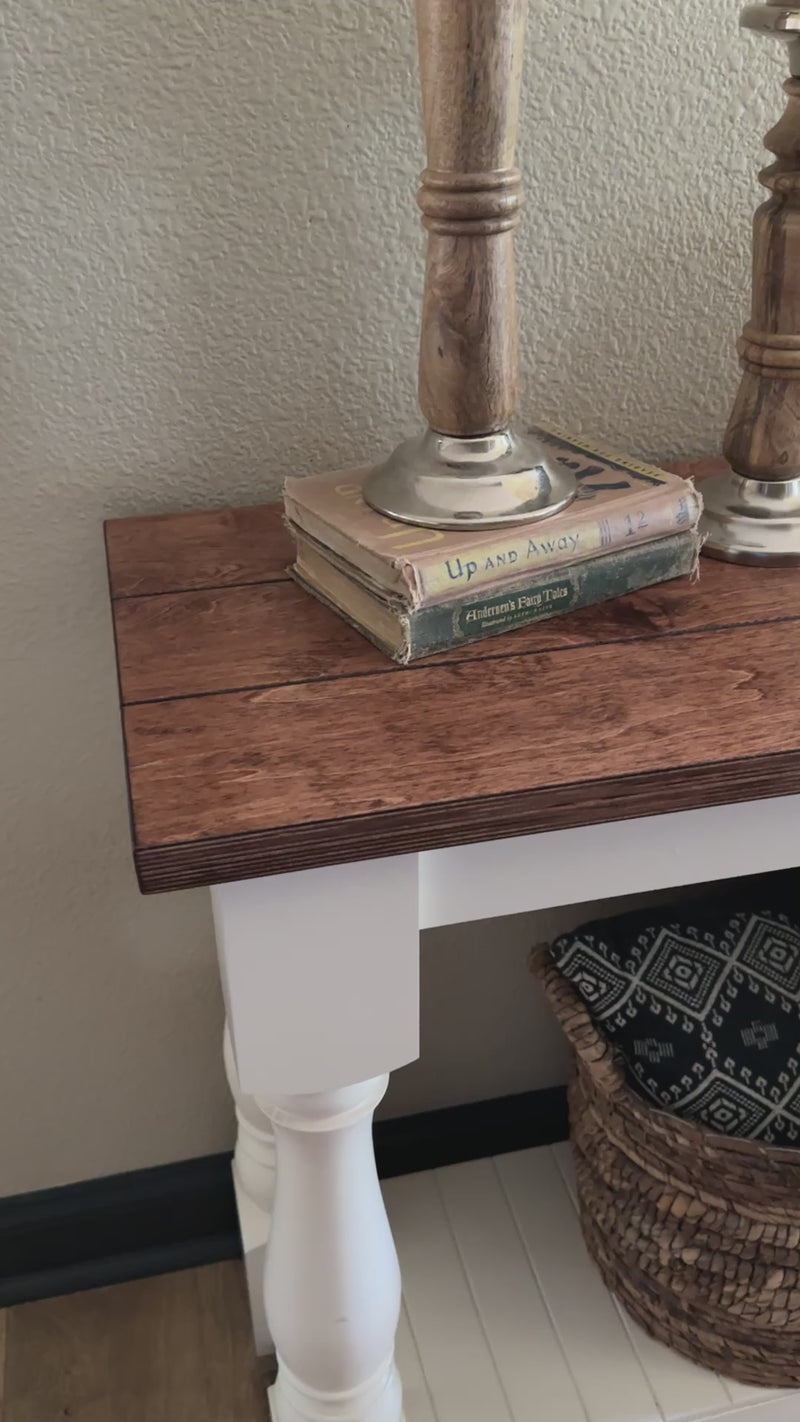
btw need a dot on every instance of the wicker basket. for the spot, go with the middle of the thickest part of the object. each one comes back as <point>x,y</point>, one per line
<point>697,1234</point>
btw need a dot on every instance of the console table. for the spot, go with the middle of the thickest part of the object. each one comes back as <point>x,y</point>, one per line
<point>336,804</point>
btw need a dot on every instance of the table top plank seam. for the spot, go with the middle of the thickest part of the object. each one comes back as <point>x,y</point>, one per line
<point>284,577</point>
<point>203,548</point>
<point>446,659</point>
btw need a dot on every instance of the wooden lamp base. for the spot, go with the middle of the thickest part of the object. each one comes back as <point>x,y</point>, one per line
<point>752,512</point>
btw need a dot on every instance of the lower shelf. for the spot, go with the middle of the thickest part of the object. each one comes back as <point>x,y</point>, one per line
<point>506,1320</point>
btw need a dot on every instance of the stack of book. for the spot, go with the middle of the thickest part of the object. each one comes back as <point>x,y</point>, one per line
<point>416,591</point>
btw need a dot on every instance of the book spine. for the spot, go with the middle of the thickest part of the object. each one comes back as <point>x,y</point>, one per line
<point>515,554</point>
<point>437,629</point>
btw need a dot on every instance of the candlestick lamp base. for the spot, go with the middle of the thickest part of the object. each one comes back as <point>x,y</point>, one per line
<point>745,521</point>
<point>440,481</point>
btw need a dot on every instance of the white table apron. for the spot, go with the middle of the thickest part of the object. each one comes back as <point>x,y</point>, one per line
<point>321,983</point>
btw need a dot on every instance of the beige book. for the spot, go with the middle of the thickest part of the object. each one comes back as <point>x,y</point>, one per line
<point>620,504</point>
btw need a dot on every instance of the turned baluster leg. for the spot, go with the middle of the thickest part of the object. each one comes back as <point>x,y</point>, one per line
<point>332,1279</point>
<point>320,975</point>
<point>254,1183</point>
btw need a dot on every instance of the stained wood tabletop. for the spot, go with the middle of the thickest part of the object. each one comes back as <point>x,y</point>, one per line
<point>263,734</point>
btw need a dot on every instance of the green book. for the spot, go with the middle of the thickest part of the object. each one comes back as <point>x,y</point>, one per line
<point>407,634</point>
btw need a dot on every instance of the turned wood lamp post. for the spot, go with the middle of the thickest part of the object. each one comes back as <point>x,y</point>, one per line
<point>471,467</point>
<point>752,512</point>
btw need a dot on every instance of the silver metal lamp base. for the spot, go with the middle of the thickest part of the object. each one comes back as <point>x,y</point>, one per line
<point>486,482</point>
<point>745,521</point>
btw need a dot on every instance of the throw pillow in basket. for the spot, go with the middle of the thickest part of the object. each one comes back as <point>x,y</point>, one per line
<point>702,1006</point>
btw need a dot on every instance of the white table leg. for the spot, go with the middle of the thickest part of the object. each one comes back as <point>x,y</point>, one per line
<point>320,974</point>
<point>254,1184</point>
<point>332,1280</point>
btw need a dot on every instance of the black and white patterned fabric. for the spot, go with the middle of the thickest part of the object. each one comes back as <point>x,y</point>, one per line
<point>704,1008</point>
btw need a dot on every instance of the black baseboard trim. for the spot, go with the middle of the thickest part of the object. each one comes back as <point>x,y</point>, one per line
<point>116,1228</point>
<point>435,1138</point>
<point>149,1222</point>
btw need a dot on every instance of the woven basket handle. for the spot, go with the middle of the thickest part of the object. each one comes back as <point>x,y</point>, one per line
<point>589,1045</point>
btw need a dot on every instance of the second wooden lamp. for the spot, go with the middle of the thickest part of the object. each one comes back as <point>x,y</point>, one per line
<point>752,512</point>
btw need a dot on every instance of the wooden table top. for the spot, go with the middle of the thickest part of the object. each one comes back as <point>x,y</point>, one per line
<point>262,734</point>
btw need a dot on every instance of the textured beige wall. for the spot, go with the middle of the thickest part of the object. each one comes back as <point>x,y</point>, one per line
<point>210,276</point>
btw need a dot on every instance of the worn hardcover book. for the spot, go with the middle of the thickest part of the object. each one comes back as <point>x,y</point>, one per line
<point>408,634</point>
<point>620,504</point>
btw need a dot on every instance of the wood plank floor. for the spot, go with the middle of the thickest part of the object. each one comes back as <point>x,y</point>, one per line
<point>172,1349</point>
